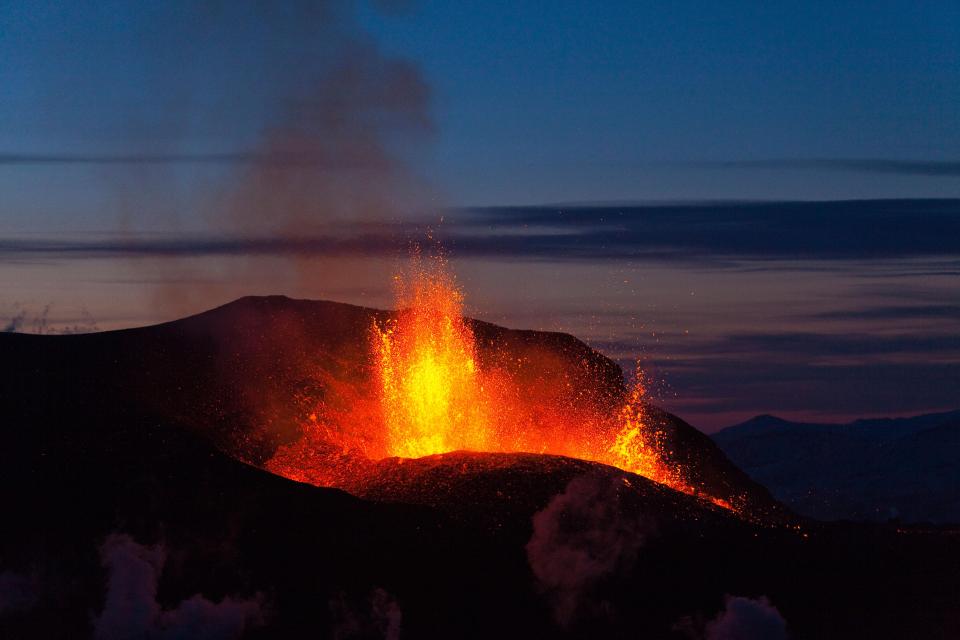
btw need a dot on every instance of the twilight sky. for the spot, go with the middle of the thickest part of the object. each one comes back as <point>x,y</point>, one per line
<point>778,227</point>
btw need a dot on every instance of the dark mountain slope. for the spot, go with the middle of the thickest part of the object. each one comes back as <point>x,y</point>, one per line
<point>905,468</point>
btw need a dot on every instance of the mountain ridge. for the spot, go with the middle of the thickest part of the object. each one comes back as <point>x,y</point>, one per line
<point>875,469</point>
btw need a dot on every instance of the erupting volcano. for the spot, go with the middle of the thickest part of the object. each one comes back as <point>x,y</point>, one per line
<point>430,391</point>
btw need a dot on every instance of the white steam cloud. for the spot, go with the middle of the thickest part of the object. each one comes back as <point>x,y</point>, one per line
<point>131,610</point>
<point>747,619</point>
<point>581,537</point>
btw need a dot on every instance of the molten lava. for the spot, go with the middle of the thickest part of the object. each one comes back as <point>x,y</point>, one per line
<point>430,388</point>
<point>434,394</point>
<point>635,447</point>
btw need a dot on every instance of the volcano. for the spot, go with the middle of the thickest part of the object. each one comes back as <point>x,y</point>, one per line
<point>222,438</point>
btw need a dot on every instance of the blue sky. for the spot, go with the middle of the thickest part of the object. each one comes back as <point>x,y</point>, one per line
<point>532,102</point>
<point>553,101</point>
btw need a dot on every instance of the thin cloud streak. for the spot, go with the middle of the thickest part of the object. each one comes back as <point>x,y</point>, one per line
<point>799,345</point>
<point>275,160</point>
<point>931,168</point>
<point>908,312</point>
<point>745,236</point>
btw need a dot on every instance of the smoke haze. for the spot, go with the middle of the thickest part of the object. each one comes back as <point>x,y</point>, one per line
<point>131,610</point>
<point>274,120</point>
<point>747,619</point>
<point>581,537</point>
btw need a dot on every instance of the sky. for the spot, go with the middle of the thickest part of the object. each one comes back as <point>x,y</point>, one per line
<point>761,201</point>
<point>568,101</point>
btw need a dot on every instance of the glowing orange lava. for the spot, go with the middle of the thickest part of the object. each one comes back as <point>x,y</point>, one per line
<point>635,446</point>
<point>434,392</point>
<point>435,398</point>
<point>431,393</point>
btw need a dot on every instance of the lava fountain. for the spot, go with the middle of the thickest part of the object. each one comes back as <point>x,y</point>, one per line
<point>432,395</point>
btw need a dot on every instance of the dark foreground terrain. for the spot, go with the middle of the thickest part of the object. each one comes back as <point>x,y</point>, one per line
<point>135,507</point>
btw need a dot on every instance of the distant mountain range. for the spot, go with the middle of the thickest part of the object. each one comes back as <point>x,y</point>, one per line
<point>878,470</point>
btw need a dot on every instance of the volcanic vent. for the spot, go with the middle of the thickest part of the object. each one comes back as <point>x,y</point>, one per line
<point>434,383</point>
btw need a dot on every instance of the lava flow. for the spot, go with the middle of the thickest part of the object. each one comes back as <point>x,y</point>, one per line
<point>432,391</point>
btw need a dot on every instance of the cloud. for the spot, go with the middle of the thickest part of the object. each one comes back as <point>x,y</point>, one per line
<point>894,312</point>
<point>747,619</point>
<point>276,160</point>
<point>908,236</point>
<point>833,373</point>
<point>787,346</point>
<point>580,538</point>
<point>932,168</point>
<point>27,159</point>
<point>813,345</point>
<point>761,383</point>
<point>830,230</point>
<point>207,245</point>
<point>131,610</point>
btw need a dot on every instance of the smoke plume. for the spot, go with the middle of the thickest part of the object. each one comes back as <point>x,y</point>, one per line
<point>329,152</point>
<point>279,120</point>
<point>131,610</point>
<point>23,321</point>
<point>581,537</point>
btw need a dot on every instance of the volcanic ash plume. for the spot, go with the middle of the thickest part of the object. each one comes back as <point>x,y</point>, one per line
<point>278,135</point>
